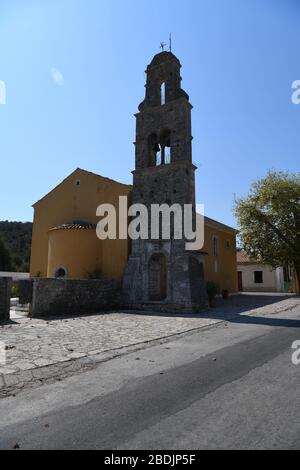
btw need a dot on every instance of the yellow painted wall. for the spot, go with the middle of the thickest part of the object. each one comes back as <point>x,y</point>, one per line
<point>80,251</point>
<point>77,250</point>
<point>69,202</point>
<point>225,263</point>
<point>295,284</point>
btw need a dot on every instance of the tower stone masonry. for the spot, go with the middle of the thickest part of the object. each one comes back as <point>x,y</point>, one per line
<point>162,274</point>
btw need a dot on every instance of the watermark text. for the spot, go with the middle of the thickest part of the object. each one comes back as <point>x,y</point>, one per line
<point>296,353</point>
<point>296,94</point>
<point>156,222</point>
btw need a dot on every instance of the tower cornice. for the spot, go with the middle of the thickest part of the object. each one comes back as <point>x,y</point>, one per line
<point>167,106</point>
<point>168,167</point>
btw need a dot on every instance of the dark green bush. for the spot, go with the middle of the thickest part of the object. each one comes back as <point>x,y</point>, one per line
<point>14,292</point>
<point>213,289</point>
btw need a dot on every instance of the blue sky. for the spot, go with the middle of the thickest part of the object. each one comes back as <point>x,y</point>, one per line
<point>74,74</point>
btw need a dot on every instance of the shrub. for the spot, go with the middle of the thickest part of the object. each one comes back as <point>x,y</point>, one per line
<point>225,293</point>
<point>14,292</point>
<point>212,289</point>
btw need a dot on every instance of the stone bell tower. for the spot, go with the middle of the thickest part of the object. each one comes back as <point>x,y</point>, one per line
<point>161,274</point>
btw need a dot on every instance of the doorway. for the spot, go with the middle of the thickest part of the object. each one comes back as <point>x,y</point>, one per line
<point>157,277</point>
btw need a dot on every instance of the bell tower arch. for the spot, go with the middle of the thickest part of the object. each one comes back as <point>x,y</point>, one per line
<point>165,112</point>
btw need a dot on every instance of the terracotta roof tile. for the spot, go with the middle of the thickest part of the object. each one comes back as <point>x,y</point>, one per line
<point>243,257</point>
<point>80,225</point>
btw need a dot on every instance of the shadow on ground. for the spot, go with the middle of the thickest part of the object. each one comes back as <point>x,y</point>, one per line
<point>8,322</point>
<point>232,310</point>
<point>235,307</point>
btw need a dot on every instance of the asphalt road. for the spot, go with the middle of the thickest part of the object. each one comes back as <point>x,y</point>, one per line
<point>229,387</point>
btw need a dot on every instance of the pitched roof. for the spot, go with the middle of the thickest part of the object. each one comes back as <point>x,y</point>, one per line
<point>208,221</point>
<point>161,57</point>
<point>81,170</point>
<point>220,225</point>
<point>242,258</point>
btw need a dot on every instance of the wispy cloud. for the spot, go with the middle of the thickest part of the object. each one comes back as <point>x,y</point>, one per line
<point>2,92</point>
<point>57,76</point>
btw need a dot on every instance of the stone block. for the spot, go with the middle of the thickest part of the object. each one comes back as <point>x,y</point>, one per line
<point>74,297</point>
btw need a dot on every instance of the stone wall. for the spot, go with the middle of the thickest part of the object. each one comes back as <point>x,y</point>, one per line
<point>25,287</point>
<point>5,291</point>
<point>74,297</point>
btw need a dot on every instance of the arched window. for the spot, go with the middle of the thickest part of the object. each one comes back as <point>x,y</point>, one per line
<point>163,93</point>
<point>159,148</point>
<point>165,142</point>
<point>215,247</point>
<point>60,273</point>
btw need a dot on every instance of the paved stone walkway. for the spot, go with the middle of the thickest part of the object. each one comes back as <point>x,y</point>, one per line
<point>47,349</point>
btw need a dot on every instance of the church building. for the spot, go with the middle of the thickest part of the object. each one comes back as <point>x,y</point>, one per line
<point>155,272</point>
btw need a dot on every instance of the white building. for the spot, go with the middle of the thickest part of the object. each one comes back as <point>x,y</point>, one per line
<point>254,276</point>
<point>15,276</point>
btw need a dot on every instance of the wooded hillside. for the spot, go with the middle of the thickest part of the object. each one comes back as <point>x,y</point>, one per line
<point>15,243</point>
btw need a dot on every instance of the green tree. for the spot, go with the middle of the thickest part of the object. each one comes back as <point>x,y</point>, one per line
<point>5,259</point>
<point>269,220</point>
<point>17,239</point>
<point>17,261</point>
